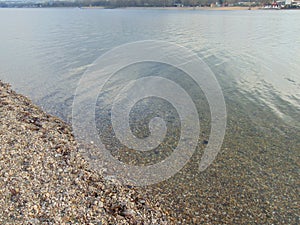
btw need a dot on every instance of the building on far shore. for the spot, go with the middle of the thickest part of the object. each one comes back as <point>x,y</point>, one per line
<point>178,5</point>
<point>292,3</point>
<point>296,2</point>
<point>283,4</point>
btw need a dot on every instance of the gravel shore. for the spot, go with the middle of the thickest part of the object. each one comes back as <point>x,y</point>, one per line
<point>44,179</point>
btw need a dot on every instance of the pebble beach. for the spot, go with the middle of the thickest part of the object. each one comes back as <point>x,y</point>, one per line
<point>45,180</point>
<point>52,171</point>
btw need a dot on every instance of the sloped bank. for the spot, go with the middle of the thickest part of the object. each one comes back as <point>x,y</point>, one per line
<point>44,180</point>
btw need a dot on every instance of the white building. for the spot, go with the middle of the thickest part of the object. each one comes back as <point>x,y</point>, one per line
<point>292,2</point>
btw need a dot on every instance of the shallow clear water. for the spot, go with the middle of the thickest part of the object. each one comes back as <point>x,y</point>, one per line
<point>44,52</point>
<point>255,57</point>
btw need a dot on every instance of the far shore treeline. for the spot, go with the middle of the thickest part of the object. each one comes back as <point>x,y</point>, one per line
<point>130,3</point>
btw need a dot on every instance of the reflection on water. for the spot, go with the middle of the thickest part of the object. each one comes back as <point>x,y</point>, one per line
<point>53,47</point>
<point>255,56</point>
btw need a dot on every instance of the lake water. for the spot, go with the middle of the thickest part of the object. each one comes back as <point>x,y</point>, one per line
<point>255,57</point>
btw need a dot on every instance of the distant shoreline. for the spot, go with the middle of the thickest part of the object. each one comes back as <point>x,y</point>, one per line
<point>181,8</point>
<point>205,8</point>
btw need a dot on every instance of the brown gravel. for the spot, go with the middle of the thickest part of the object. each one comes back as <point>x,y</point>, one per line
<point>44,180</point>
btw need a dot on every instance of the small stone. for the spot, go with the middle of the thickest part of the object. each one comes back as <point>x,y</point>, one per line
<point>127,213</point>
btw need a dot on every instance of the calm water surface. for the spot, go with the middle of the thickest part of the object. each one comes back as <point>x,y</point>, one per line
<point>256,59</point>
